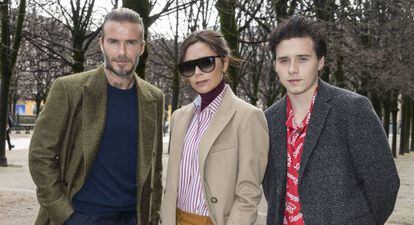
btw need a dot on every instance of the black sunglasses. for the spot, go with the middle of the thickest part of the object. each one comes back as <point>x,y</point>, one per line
<point>205,64</point>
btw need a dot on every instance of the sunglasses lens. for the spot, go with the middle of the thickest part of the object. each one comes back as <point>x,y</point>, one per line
<point>186,69</point>
<point>207,64</point>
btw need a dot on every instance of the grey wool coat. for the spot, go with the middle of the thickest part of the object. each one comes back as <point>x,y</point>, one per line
<point>347,174</point>
<point>66,139</point>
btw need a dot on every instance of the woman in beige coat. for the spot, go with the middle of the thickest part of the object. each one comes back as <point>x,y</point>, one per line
<point>218,147</point>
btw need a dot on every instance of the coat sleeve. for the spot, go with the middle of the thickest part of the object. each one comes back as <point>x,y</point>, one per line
<point>253,147</point>
<point>157,191</point>
<point>373,160</point>
<point>44,153</point>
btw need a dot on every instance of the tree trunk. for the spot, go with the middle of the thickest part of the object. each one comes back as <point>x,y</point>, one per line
<point>271,96</point>
<point>283,9</point>
<point>394,111</point>
<point>362,89</point>
<point>403,125</point>
<point>228,26</point>
<point>142,7</point>
<point>256,79</point>
<point>253,97</point>
<point>78,58</point>
<point>38,100</point>
<point>325,74</point>
<point>387,112</point>
<point>176,76</point>
<point>412,126</point>
<point>8,55</point>
<point>14,103</point>
<point>339,74</point>
<point>280,7</point>
<point>407,126</point>
<point>325,9</point>
<point>376,103</point>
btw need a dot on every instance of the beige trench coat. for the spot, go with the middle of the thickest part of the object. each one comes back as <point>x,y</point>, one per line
<point>232,157</point>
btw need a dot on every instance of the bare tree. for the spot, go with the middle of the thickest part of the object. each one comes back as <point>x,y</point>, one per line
<point>145,10</point>
<point>75,27</point>
<point>8,55</point>
<point>164,49</point>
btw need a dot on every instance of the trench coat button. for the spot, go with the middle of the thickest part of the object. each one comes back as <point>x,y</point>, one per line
<point>213,200</point>
<point>65,183</point>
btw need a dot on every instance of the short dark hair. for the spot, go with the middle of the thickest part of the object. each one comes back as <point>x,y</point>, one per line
<point>299,27</point>
<point>124,15</point>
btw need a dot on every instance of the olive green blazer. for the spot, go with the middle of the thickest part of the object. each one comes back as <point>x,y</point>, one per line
<point>66,139</point>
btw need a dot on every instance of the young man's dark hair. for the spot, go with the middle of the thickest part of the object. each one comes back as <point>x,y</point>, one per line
<point>299,27</point>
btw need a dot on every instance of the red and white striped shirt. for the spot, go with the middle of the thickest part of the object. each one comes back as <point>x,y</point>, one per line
<point>190,191</point>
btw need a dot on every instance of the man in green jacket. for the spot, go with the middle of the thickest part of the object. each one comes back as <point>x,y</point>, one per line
<point>95,154</point>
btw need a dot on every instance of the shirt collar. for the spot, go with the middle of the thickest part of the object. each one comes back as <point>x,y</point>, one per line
<point>290,122</point>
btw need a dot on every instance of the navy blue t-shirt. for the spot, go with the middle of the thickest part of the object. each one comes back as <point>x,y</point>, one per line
<point>110,185</point>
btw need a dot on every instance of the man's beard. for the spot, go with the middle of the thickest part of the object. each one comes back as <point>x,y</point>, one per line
<point>120,73</point>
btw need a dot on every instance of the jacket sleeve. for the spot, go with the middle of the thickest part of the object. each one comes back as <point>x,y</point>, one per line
<point>44,152</point>
<point>373,160</point>
<point>157,192</point>
<point>253,147</point>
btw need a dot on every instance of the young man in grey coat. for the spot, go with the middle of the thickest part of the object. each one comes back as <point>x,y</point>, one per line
<point>329,158</point>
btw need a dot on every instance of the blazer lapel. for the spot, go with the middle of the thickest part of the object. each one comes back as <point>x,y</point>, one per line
<point>219,121</point>
<point>320,112</point>
<point>147,118</point>
<point>94,112</point>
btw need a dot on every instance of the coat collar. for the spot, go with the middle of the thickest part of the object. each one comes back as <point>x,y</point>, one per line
<point>277,128</point>
<point>221,118</point>
<point>97,85</point>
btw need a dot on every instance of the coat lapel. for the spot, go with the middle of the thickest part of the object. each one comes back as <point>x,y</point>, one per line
<point>278,152</point>
<point>280,143</point>
<point>94,112</point>
<point>320,112</point>
<point>219,121</point>
<point>147,116</point>
<point>177,143</point>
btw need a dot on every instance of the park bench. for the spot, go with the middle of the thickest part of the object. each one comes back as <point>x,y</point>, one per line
<point>23,126</point>
<point>24,122</point>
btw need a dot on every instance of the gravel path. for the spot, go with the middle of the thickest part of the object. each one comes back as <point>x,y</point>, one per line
<point>18,204</point>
